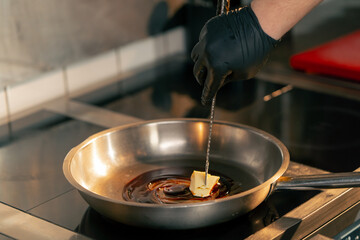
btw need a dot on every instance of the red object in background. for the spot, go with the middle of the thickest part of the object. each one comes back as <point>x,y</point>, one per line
<point>339,58</point>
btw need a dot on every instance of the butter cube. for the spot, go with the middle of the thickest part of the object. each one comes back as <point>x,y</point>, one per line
<point>197,184</point>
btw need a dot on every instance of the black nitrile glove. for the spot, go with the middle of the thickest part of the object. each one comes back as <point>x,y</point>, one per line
<point>231,47</point>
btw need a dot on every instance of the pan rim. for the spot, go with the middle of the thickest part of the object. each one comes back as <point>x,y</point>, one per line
<point>272,180</point>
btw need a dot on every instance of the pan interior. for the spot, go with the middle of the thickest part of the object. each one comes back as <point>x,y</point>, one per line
<point>106,162</point>
<point>236,179</point>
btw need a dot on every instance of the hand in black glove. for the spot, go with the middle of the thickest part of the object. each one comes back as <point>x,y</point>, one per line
<point>231,47</point>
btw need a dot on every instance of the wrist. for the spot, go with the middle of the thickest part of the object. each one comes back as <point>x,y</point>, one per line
<point>278,17</point>
<point>270,27</point>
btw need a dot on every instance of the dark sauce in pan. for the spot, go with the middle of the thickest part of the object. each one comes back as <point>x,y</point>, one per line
<point>171,186</point>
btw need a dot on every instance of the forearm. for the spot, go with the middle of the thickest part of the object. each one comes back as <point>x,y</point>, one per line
<point>277,17</point>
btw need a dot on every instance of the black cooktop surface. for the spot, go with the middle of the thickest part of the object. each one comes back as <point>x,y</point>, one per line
<point>319,130</point>
<point>96,226</point>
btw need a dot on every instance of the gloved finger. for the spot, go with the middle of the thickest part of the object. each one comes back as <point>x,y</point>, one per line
<point>203,31</point>
<point>200,71</point>
<point>214,81</point>
<point>195,52</point>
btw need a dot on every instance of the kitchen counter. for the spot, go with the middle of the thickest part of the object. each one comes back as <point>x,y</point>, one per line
<point>320,130</point>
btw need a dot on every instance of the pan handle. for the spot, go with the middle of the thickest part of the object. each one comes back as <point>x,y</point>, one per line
<point>308,182</point>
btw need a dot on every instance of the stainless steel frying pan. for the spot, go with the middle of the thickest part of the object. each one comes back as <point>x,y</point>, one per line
<point>103,164</point>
